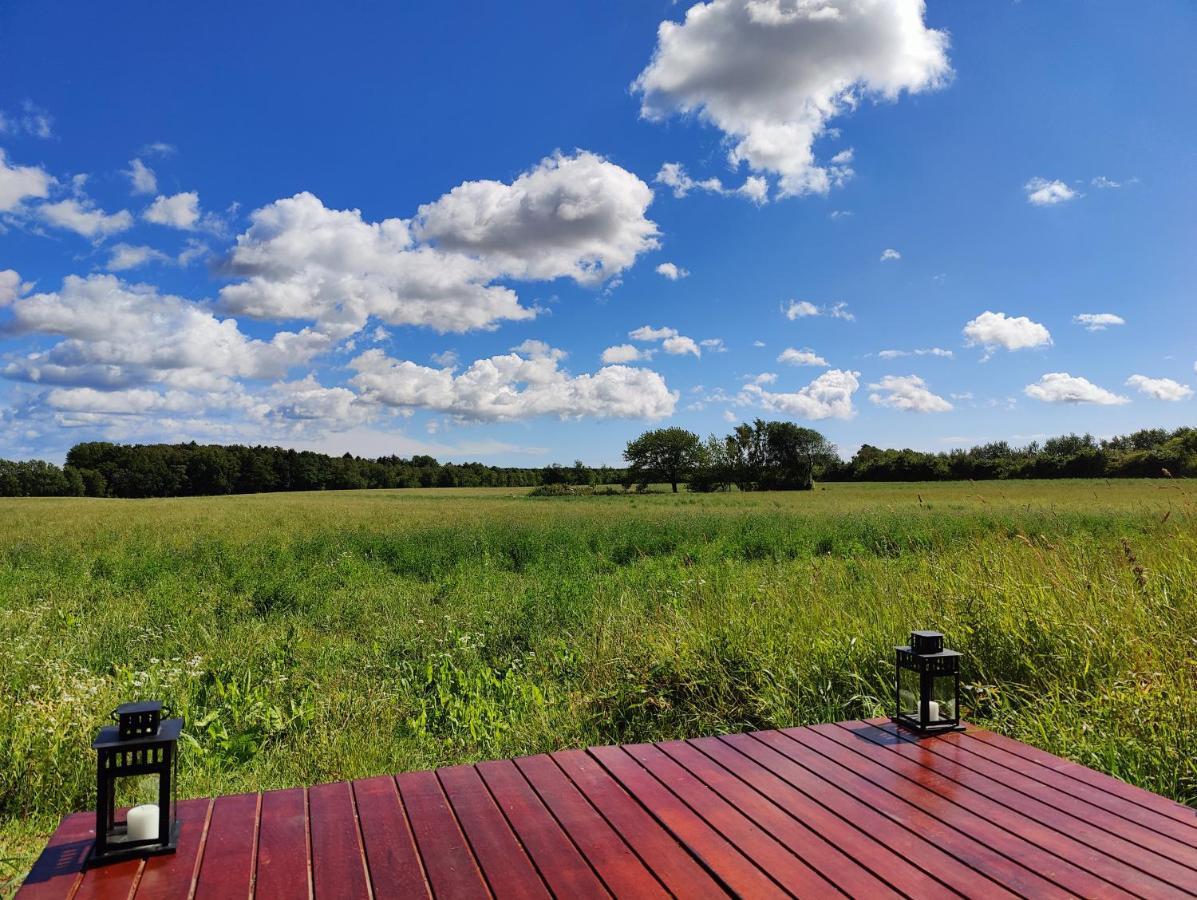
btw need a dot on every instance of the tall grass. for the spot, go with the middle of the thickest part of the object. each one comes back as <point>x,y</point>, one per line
<point>313,637</point>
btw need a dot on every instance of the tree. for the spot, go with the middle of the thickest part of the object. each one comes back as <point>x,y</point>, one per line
<point>665,454</point>
<point>777,456</point>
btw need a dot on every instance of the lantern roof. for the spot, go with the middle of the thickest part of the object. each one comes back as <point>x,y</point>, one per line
<point>109,736</point>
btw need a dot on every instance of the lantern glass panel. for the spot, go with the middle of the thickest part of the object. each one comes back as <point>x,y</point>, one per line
<point>908,693</point>
<point>943,692</point>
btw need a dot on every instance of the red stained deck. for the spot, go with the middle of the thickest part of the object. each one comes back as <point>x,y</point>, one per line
<point>855,808</point>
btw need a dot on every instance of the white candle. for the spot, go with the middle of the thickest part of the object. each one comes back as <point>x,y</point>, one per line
<point>142,822</point>
<point>932,711</point>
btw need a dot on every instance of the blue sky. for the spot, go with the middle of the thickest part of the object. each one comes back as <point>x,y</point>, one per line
<point>451,228</point>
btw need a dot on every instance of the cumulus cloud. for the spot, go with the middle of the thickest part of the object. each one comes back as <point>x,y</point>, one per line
<point>20,183</point>
<point>794,357</point>
<point>82,217</point>
<point>1160,388</point>
<point>302,260</point>
<point>625,353</point>
<point>525,383</point>
<point>1060,387</point>
<point>117,335</point>
<point>142,179</point>
<point>801,309</point>
<point>1041,192</point>
<point>1098,321</point>
<point>889,254</point>
<point>672,271</point>
<point>176,211</point>
<point>672,341</point>
<point>922,351</point>
<point>993,330</point>
<point>908,393</point>
<point>828,396</point>
<point>578,217</point>
<point>772,74</point>
<point>674,176</point>
<point>10,286</point>
<point>130,256</point>
<point>307,401</point>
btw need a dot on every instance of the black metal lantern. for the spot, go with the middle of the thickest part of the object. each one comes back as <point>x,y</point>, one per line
<point>927,685</point>
<point>142,746</point>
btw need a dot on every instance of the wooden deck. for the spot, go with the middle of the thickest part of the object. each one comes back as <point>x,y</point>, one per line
<point>854,808</point>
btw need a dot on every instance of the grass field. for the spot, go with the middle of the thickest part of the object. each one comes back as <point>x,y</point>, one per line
<point>310,637</point>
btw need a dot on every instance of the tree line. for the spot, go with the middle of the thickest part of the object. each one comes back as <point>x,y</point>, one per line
<point>102,469</point>
<point>753,456</point>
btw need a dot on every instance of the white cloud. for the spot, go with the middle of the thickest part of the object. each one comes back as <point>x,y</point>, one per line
<point>448,359</point>
<point>674,176</point>
<point>305,261</point>
<point>1098,321</point>
<point>141,177</point>
<point>758,344</point>
<point>762,378</point>
<point>922,351</point>
<point>801,309</point>
<point>20,183</point>
<point>680,345</point>
<point>176,211</point>
<point>671,271</point>
<point>837,214</point>
<point>578,217</point>
<point>729,416</point>
<point>1041,192</point>
<point>806,357</point>
<point>31,120</point>
<point>625,353</point>
<point>523,384</point>
<point>1160,388</point>
<point>10,286</point>
<point>308,401</point>
<point>828,396</point>
<point>908,393</point>
<point>81,217</point>
<point>117,335</point>
<point>714,345</point>
<point>1060,387</point>
<point>672,341</point>
<point>131,401</point>
<point>771,74</point>
<point>992,330</point>
<point>889,253</point>
<point>1103,183</point>
<point>130,256</point>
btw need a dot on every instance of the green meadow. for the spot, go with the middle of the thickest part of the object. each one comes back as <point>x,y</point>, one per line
<point>319,636</point>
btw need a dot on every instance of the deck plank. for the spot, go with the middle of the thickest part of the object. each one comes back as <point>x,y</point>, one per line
<point>1133,821</point>
<point>60,866</point>
<point>1057,856</point>
<point>895,797</point>
<point>226,868</point>
<point>560,863</point>
<point>450,866</point>
<point>862,809</point>
<point>391,854</point>
<point>657,848</point>
<point>956,861</point>
<point>823,842</point>
<point>284,866</point>
<point>172,876</point>
<point>715,851</point>
<point>1140,847</point>
<point>620,869</point>
<point>1091,778</point>
<point>835,847</point>
<point>506,865</point>
<point>338,858</point>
